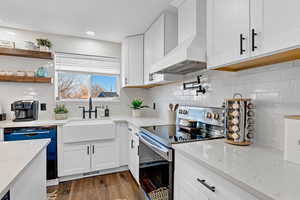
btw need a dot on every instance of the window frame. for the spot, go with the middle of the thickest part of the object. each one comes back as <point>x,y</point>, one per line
<point>105,99</point>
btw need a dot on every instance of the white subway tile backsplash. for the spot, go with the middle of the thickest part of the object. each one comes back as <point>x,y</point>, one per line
<point>274,89</point>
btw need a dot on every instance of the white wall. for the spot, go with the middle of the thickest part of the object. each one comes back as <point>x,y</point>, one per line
<point>45,92</point>
<point>275,90</point>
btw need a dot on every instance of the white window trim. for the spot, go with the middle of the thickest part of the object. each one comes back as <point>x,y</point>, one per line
<point>104,100</point>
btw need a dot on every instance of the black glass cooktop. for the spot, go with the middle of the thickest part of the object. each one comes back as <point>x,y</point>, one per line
<point>173,134</point>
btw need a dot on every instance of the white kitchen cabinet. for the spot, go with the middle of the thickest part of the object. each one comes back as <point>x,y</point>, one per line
<point>275,24</point>
<point>133,163</point>
<point>159,39</point>
<point>76,159</point>
<point>133,61</point>
<point>188,174</point>
<point>122,137</point>
<point>104,155</point>
<point>184,190</point>
<point>227,31</point>
<point>31,183</point>
<point>241,30</point>
<point>87,147</point>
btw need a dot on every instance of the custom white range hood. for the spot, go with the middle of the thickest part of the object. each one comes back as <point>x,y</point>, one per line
<point>190,54</point>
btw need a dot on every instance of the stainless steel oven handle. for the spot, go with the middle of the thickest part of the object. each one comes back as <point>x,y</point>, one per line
<point>153,144</point>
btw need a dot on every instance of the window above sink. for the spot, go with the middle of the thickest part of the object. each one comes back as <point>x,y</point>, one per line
<point>79,77</point>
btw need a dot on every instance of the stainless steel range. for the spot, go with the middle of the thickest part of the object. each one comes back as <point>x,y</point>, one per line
<point>155,149</point>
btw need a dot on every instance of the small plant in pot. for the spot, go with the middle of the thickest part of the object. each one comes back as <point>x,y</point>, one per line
<point>61,112</point>
<point>44,44</point>
<point>137,106</point>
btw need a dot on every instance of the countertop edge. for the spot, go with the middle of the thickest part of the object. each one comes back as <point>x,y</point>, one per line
<point>228,177</point>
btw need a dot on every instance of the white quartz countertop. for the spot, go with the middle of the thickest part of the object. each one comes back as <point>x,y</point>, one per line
<point>258,170</point>
<point>138,122</point>
<point>14,157</point>
<point>142,121</point>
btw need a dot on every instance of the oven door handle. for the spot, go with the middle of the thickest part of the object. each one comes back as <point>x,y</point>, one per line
<point>156,146</point>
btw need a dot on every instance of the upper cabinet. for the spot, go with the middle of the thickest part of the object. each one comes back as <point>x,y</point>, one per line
<point>228,31</point>
<point>160,38</point>
<point>133,61</point>
<point>274,25</point>
<point>243,34</point>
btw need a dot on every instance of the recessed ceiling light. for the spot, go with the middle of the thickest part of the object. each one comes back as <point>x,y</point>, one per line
<point>90,33</point>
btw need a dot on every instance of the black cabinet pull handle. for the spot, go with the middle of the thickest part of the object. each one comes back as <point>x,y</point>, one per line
<point>88,150</point>
<point>93,149</point>
<point>203,182</point>
<point>132,144</point>
<point>242,50</point>
<point>253,39</point>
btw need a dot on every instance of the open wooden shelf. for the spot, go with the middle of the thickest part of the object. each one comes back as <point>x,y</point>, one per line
<point>26,53</point>
<point>263,60</point>
<point>25,79</point>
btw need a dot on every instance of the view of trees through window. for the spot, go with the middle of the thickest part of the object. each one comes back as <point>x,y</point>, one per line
<point>82,86</point>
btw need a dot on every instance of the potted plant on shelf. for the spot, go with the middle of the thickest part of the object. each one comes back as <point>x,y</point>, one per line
<point>61,112</point>
<point>137,106</point>
<point>44,44</point>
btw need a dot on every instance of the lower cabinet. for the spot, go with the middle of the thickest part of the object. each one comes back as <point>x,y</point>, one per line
<point>196,182</point>
<point>76,159</point>
<point>133,163</point>
<point>31,183</point>
<point>89,157</point>
<point>104,155</point>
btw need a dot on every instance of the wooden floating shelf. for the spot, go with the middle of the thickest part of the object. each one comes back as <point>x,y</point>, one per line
<point>26,53</point>
<point>267,59</point>
<point>25,79</point>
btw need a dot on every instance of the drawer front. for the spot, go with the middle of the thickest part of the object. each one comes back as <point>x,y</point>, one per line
<point>84,133</point>
<point>206,179</point>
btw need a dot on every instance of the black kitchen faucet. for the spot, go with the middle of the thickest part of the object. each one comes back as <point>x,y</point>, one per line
<point>90,110</point>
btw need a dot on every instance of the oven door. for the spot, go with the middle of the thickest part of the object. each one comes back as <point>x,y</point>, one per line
<point>155,168</point>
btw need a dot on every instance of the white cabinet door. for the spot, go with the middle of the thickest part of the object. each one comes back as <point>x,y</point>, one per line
<point>104,155</point>
<point>160,39</point>
<point>122,138</point>
<point>154,46</point>
<point>133,60</point>
<point>76,159</point>
<point>183,190</point>
<point>227,31</point>
<point>190,172</point>
<point>130,149</point>
<point>31,183</point>
<point>276,24</point>
<point>136,156</point>
<point>133,152</point>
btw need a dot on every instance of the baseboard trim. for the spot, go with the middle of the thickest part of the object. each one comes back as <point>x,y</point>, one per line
<point>97,173</point>
<point>52,182</point>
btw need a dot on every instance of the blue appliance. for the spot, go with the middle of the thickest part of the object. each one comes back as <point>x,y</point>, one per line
<point>32,133</point>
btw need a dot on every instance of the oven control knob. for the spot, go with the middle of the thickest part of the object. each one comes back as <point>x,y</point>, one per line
<point>216,116</point>
<point>209,115</point>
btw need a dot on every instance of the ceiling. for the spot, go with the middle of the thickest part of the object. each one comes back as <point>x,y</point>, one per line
<point>111,20</point>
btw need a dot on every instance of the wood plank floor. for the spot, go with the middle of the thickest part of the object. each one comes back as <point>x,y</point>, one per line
<point>118,186</point>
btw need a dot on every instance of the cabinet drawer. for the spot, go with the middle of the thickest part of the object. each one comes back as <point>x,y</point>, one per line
<point>193,172</point>
<point>83,133</point>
